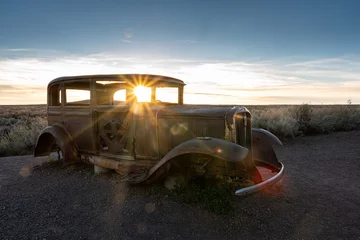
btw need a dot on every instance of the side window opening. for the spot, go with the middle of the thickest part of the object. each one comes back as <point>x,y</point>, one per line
<point>77,97</point>
<point>109,97</point>
<point>119,97</point>
<point>77,94</point>
<point>157,94</point>
<point>110,93</point>
<point>167,94</point>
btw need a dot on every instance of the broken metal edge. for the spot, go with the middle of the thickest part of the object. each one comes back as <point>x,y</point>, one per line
<point>267,183</point>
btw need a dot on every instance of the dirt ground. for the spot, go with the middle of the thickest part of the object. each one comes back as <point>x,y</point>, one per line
<point>318,199</point>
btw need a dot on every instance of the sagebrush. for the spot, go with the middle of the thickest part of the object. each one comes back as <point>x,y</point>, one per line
<point>20,125</point>
<point>305,119</point>
<point>19,128</point>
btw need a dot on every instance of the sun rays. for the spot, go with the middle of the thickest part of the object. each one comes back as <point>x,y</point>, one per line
<point>142,93</point>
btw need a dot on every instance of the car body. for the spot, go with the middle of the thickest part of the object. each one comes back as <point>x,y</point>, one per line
<point>139,126</point>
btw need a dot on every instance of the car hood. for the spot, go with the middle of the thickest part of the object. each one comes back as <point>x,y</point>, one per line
<point>215,111</point>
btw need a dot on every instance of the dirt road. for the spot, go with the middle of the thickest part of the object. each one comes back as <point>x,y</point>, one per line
<point>319,200</point>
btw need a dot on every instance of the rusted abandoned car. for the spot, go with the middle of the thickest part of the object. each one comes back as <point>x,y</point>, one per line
<point>139,126</point>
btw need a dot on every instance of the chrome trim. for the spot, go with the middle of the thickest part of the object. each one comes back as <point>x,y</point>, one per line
<point>255,188</point>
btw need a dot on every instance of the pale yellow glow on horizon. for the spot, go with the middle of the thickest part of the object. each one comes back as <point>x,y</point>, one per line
<point>24,81</point>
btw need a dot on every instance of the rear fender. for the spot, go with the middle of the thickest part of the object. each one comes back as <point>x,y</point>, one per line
<point>263,153</point>
<point>56,134</point>
<point>214,147</point>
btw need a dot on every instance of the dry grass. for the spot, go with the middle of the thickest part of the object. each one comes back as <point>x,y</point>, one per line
<point>20,125</point>
<point>305,119</point>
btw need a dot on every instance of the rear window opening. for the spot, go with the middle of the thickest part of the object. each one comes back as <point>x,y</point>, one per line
<point>54,96</point>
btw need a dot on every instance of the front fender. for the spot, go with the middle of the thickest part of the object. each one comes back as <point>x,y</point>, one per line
<point>213,147</point>
<point>56,134</point>
<point>263,142</point>
<point>263,154</point>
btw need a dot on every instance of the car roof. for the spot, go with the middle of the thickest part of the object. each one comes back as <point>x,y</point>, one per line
<point>129,78</point>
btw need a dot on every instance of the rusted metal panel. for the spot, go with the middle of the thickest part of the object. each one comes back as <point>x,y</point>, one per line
<point>144,140</point>
<point>216,148</point>
<point>112,130</point>
<point>263,151</point>
<point>203,111</point>
<point>57,135</point>
<point>174,131</point>
<point>80,126</point>
<point>133,79</point>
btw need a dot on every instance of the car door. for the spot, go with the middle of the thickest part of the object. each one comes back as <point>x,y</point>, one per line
<point>113,120</point>
<point>77,113</point>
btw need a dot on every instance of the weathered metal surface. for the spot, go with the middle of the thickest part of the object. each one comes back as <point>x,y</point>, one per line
<point>174,131</point>
<point>203,111</point>
<point>56,135</point>
<point>134,79</point>
<point>263,151</point>
<point>216,148</point>
<point>140,140</point>
<point>257,187</point>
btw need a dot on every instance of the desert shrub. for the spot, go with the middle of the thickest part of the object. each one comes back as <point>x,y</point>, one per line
<point>7,121</point>
<point>279,121</point>
<point>19,128</point>
<point>21,137</point>
<point>303,114</point>
<point>322,121</point>
<point>335,118</point>
<point>21,111</point>
<point>345,118</point>
<point>305,119</point>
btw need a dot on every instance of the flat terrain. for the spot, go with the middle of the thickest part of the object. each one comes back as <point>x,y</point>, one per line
<point>319,199</point>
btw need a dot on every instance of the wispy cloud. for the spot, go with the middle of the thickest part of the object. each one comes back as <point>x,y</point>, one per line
<point>17,49</point>
<point>241,82</point>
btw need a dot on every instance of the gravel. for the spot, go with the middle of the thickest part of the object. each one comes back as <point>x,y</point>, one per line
<point>317,199</point>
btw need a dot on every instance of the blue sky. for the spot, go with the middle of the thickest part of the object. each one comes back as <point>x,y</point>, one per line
<point>266,50</point>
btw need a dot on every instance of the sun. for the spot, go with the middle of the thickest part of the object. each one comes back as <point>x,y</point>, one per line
<point>143,94</point>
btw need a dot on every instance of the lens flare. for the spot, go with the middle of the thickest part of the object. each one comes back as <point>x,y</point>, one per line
<point>143,94</point>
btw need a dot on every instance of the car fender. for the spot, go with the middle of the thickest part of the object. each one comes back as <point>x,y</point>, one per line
<point>214,147</point>
<point>263,142</point>
<point>56,134</point>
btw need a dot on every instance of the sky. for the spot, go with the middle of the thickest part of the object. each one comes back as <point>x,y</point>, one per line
<point>227,52</point>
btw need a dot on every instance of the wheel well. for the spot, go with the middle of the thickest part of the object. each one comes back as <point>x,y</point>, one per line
<point>45,145</point>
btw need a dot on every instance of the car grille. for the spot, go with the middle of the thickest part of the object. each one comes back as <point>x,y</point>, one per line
<point>243,129</point>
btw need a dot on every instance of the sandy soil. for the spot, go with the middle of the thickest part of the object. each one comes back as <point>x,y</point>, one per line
<point>318,199</point>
